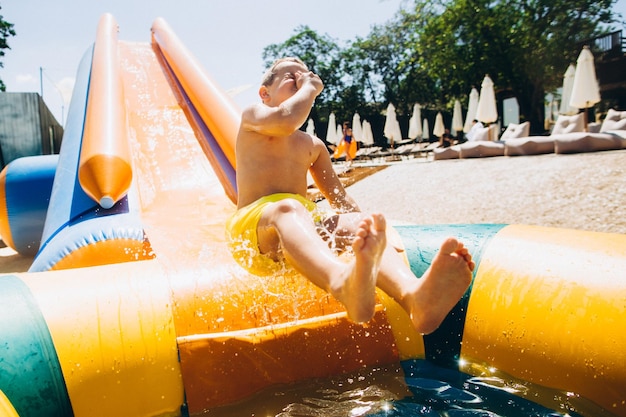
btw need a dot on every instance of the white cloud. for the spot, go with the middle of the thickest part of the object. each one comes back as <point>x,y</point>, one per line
<point>26,81</point>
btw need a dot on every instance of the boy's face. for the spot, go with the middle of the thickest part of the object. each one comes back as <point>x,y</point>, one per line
<point>285,83</point>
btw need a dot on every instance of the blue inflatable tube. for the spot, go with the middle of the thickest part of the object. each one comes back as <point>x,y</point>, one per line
<point>76,227</point>
<point>27,184</point>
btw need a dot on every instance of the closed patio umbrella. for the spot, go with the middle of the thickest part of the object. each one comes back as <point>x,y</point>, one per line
<point>331,132</point>
<point>566,94</point>
<point>392,127</point>
<point>585,91</point>
<point>415,126</point>
<point>368,136</point>
<point>310,127</point>
<point>425,130</point>
<point>439,128</point>
<point>457,118</point>
<point>472,106</point>
<point>486,111</point>
<point>357,127</point>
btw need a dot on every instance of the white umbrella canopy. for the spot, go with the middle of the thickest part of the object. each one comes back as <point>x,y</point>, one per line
<point>439,128</point>
<point>566,94</point>
<point>425,130</point>
<point>331,133</point>
<point>392,127</point>
<point>368,136</point>
<point>415,127</point>
<point>486,111</point>
<point>357,127</point>
<point>472,106</point>
<point>585,91</point>
<point>339,133</point>
<point>310,127</point>
<point>457,118</point>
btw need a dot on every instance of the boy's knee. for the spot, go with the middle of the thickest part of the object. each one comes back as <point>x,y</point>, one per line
<point>288,205</point>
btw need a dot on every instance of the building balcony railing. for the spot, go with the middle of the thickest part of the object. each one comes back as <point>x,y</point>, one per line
<point>609,45</point>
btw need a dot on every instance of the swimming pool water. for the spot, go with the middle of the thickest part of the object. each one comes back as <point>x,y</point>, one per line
<point>416,388</point>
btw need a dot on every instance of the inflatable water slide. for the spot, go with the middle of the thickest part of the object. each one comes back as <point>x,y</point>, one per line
<point>133,305</point>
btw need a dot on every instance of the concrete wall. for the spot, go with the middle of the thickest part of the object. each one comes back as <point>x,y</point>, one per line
<point>27,127</point>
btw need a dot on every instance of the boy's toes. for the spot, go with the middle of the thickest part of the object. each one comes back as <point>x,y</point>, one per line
<point>380,223</point>
<point>449,246</point>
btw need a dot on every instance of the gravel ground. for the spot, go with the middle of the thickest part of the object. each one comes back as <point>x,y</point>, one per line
<point>584,191</point>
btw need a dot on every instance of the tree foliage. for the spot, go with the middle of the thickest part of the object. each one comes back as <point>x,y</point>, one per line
<point>434,51</point>
<point>321,53</point>
<point>524,45</point>
<point>6,31</point>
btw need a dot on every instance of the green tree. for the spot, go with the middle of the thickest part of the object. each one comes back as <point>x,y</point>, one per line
<point>6,31</point>
<point>392,65</point>
<point>321,53</point>
<point>524,45</point>
<point>434,51</point>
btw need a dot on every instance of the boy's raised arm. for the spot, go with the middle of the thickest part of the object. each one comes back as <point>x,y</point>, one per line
<point>288,116</point>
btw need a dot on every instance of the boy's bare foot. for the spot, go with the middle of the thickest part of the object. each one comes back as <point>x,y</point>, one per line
<point>358,284</point>
<point>441,286</point>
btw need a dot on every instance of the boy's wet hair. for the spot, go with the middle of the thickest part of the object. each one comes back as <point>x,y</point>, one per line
<point>270,74</point>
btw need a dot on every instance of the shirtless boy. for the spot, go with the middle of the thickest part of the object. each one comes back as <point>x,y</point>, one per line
<point>274,221</point>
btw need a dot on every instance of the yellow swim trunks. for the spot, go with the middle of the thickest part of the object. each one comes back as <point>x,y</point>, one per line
<point>242,236</point>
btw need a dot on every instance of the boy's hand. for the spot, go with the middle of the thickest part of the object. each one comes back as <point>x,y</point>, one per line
<point>309,78</point>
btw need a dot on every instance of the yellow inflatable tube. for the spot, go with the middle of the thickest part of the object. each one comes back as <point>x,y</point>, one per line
<point>114,335</point>
<point>547,306</point>
<point>345,148</point>
<point>6,408</point>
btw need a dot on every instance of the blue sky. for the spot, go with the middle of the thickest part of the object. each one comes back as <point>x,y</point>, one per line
<point>227,37</point>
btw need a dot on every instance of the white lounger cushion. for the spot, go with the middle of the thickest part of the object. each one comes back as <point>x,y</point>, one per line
<point>514,130</point>
<point>614,120</point>
<point>569,124</point>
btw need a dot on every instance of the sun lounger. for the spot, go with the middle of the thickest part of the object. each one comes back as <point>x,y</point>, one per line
<point>530,145</point>
<point>586,142</point>
<point>424,148</point>
<point>518,142</point>
<point>367,152</point>
<point>569,136</point>
<point>535,145</point>
<point>612,136</point>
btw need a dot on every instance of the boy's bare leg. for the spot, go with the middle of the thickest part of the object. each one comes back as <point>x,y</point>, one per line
<point>430,298</point>
<point>286,226</point>
<point>358,289</point>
